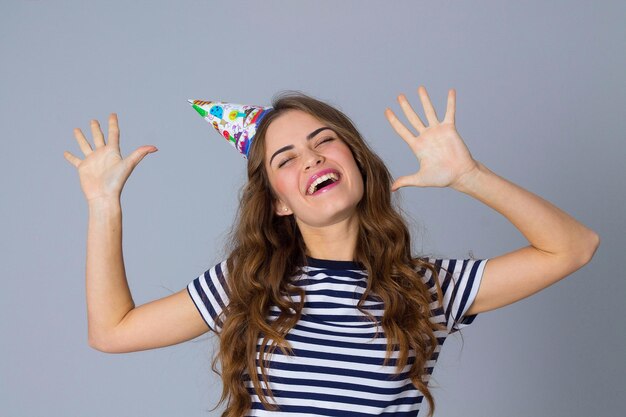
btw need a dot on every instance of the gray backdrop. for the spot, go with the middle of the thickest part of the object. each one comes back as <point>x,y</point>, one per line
<point>541,97</point>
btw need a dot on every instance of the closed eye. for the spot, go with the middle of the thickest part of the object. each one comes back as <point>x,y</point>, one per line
<point>284,162</point>
<point>328,139</point>
<point>325,140</point>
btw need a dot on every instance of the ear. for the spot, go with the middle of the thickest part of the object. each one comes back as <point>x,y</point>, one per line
<point>281,209</point>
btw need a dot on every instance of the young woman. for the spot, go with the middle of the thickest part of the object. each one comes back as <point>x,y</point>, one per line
<point>320,308</point>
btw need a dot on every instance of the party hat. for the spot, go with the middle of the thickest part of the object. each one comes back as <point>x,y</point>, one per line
<point>237,123</point>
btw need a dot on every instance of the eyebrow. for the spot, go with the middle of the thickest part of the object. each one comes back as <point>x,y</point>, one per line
<point>309,137</point>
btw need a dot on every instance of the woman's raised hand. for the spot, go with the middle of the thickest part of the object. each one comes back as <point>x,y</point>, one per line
<point>444,159</point>
<point>104,172</point>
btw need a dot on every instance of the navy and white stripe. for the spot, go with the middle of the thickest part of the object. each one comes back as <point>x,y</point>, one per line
<point>337,367</point>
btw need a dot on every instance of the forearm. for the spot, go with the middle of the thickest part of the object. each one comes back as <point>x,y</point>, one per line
<point>108,296</point>
<point>546,227</point>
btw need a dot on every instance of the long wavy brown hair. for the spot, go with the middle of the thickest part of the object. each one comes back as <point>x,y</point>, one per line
<point>267,249</point>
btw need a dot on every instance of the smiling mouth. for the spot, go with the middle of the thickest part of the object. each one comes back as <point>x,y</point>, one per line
<point>323,182</point>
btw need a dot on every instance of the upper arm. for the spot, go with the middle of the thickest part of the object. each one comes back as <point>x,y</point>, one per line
<point>163,322</point>
<point>518,274</point>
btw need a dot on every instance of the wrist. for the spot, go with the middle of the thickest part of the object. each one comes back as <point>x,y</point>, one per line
<point>104,204</point>
<point>466,181</point>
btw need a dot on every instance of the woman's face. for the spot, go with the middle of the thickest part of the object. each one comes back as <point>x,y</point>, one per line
<point>311,170</point>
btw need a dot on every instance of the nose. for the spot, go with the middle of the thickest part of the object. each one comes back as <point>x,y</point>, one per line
<point>312,159</point>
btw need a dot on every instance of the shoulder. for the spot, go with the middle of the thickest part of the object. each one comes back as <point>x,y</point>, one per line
<point>209,292</point>
<point>212,283</point>
<point>454,288</point>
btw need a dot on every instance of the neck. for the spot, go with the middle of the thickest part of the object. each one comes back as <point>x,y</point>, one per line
<point>335,242</point>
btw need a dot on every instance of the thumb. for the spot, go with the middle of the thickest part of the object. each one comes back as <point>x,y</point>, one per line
<point>139,153</point>
<point>400,182</point>
<point>414,180</point>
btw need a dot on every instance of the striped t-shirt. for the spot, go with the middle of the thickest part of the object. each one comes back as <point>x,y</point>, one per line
<point>337,364</point>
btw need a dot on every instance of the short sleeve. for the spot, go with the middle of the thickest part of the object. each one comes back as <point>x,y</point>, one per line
<point>209,293</point>
<point>459,280</point>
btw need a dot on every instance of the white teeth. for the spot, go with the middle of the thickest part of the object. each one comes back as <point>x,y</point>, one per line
<point>320,180</point>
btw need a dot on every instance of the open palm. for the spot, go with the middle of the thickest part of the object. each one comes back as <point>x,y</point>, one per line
<point>104,172</point>
<point>443,157</point>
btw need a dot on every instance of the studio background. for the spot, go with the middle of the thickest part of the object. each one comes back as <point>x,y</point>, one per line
<point>541,94</point>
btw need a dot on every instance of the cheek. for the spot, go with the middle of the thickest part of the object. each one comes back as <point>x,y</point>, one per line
<point>283,187</point>
<point>351,162</point>
<point>358,178</point>
<point>279,186</point>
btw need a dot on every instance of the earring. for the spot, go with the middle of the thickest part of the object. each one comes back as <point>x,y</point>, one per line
<point>285,209</point>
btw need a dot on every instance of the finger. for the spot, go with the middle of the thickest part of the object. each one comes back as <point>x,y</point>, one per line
<point>450,109</point>
<point>96,132</point>
<point>429,110</point>
<point>134,158</point>
<point>410,113</point>
<point>72,159</point>
<point>405,181</point>
<point>82,142</point>
<point>399,127</point>
<point>114,131</point>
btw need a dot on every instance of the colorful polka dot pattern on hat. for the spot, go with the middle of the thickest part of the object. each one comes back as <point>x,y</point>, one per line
<point>237,123</point>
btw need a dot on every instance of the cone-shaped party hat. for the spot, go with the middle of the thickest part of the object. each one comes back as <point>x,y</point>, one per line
<point>237,123</point>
